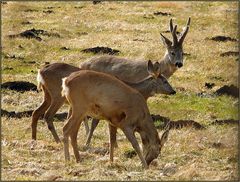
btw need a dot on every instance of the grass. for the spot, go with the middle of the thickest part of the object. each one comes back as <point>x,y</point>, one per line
<point>209,154</point>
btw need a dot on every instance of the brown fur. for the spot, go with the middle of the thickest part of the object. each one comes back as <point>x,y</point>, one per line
<point>122,106</point>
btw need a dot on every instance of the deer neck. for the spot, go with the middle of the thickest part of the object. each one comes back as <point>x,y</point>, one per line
<point>167,68</point>
<point>145,87</point>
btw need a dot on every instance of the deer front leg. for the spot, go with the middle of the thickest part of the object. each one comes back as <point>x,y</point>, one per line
<point>112,137</point>
<point>131,137</point>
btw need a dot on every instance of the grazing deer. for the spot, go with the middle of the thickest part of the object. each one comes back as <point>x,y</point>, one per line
<point>134,71</point>
<point>49,79</point>
<point>153,84</point>
<point>103,96</point>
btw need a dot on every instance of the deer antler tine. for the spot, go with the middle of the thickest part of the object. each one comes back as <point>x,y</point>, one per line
<point>185,31</point>
<point>171,25</point>
<point>174,35</point>
<point>189,21</point>
<point>166,40</point>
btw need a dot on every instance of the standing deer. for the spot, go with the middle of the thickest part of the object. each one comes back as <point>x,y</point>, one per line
<point>103,96</point>
<point>49,79</point>
<point>122,68</point>
<point>133,71</point>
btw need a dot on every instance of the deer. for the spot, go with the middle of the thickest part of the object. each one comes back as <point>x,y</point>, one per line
<point>103,96</point>
<point>122,68</point>
<point>49,79</point>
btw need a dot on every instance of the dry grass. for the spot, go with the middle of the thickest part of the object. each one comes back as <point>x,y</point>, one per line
<point>209,154</point>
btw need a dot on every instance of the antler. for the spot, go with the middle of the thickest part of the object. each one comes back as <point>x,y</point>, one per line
<point>166,41</point>
<point>173,32</point>
<point>185,31</point>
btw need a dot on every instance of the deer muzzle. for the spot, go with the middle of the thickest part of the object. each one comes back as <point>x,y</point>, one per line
<point>178,64</point>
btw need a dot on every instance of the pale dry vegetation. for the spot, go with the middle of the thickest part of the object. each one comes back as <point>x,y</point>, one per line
<point>130,27</point>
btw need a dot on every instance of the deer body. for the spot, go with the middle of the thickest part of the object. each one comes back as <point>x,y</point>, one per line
<point>102,96</point>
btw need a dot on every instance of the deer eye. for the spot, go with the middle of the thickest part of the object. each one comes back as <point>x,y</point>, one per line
<point>172,53</point>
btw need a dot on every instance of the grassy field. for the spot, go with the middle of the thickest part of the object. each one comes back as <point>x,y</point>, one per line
<point>132,28</point>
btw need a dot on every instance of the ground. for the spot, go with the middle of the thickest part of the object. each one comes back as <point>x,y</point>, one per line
<point>133,29</point>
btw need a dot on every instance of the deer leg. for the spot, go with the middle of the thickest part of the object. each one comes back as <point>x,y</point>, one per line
<point>66,134</point>
<point>90,134</point>
<point>39,112</point>
<point>73,136</point>
<point>48,117</point>
<point>131,137</point>
<point>69,112</point>
<point>85,122</point>
<point>112,133</point>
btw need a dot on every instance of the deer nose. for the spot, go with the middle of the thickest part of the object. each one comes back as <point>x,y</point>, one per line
<point>178,64</point>
<point>173,92</point>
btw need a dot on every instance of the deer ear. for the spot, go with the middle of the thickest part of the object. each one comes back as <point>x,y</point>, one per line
<point>150,68</point>
<point>166,42</point>
<point>164,138</point>
<point>156,67</point>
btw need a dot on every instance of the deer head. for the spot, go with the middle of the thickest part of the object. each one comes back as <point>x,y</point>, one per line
<point>160,83</point>
<point>174,48</point>
<point>151,151</point>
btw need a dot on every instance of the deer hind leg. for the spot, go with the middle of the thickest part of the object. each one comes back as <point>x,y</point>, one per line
<point>131,137</point>
<point>70,129</point>
<point>48,117</point>
<point>112,134</point>
<point>40,112</point>
<point>90,134</point>
<point>69,112</point>
<point>73,136</point>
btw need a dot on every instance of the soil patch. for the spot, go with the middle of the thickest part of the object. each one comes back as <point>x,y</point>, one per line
<point>19,86</point>
<point>8,56</point>
<point>176,124</point>
<point>13,114</point>
<point>101,50</point>
<point>228,90</point>
<point>225,121</point>
<point>48,11</point>
<point>159,13</point>
<point>96,2</point>
<point>209,85</point>
<point>130,153</point>
<point>229,53</point>
<point>34,34</point>
<point>221,38</point>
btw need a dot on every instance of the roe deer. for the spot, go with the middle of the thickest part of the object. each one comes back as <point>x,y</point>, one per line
<point>153,84</point>
<point>103,96</point>
<point>133,71</point>
<point>49,79</point>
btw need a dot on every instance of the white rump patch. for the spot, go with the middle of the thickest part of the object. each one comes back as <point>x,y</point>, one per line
<point>65,89</point>
<point>40,80</point>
